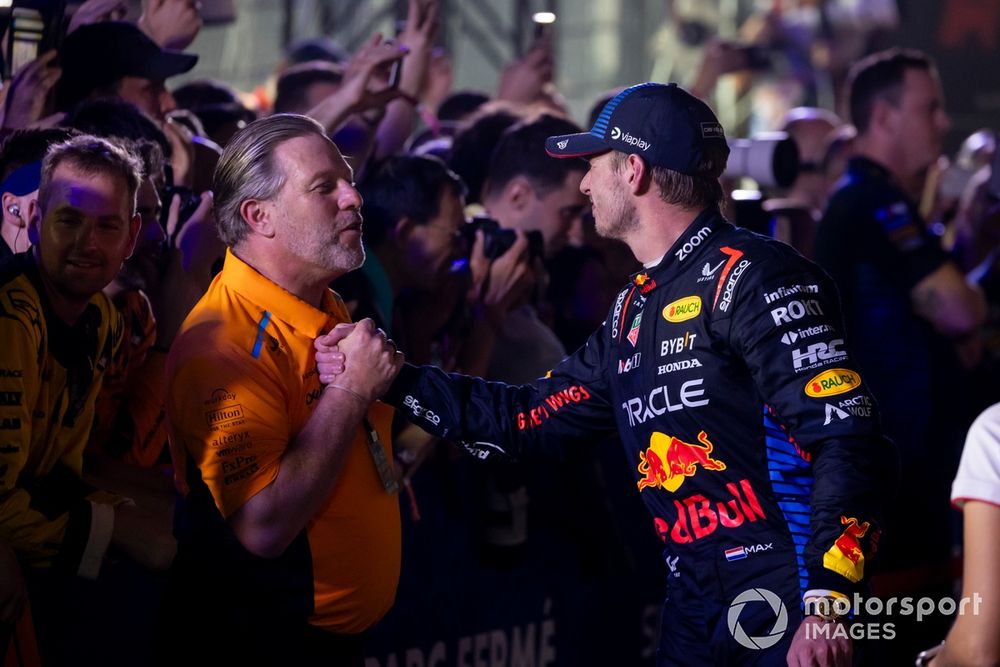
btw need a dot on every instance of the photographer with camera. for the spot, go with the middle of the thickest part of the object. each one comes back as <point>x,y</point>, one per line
<point>416,237</point>
<point>796,213</point>
<point>416,231</point>
<point>528,191</point>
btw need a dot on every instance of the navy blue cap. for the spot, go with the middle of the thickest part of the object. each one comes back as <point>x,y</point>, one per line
<point>663,123</point>
<point>23,180</point>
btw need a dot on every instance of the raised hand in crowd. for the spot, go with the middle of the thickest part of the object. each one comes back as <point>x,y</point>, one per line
<point>96,11</point>
<point>524,81</point>
<point>439,81</point>
<point>362,89</point>
<point>173,24</point>
<point>721,57</point>
<point>26,104</point>
<point>418,37</point>
<point>359,359</point>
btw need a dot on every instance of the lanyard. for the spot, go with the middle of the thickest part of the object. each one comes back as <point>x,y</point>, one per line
<point>382,464</point>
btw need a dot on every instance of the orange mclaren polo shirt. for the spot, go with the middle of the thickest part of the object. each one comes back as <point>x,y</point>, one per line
<point>242,383</point>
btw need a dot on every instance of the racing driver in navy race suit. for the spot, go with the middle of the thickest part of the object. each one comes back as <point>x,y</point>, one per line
<point>724,368</point>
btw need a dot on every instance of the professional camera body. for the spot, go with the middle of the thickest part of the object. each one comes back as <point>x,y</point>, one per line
<point>498,240</point>
<point>771,160</point>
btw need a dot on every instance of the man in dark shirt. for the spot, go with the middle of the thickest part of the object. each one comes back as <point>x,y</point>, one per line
<point>757,453</point>
<point>907,306</point>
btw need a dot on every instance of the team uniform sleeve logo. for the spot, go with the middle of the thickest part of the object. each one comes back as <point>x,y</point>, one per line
<point>846,556</point>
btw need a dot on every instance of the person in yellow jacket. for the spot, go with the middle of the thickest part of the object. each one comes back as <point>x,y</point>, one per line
<point>59,334</point>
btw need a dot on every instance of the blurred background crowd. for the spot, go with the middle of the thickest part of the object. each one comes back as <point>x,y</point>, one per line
<point>482,258</point>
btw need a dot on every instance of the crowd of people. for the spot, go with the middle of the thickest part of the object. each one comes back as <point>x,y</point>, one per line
<point>239,344</point>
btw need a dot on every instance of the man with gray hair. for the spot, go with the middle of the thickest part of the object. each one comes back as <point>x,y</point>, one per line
<point>60,334</point>
<point>288,530</point>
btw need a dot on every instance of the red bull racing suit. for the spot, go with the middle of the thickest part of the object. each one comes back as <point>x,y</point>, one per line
<point>754,441</point>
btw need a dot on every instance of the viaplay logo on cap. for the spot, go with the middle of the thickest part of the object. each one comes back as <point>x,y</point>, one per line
<point>630,139</point>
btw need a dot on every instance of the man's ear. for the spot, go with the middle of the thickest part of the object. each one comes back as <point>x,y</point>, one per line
<point>402,228</point>
<point>12,213</point>
<point>883,116</point>
<point>636,174</point>
<point>518,193</point>
<point>257,214</point>
<point>133,233</point>
<point>34,221</point>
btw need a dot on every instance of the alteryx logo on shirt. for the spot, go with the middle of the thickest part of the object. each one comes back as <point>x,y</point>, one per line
<point>660,401</point>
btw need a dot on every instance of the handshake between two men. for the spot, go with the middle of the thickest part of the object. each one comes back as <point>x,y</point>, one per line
<point>357,358</point>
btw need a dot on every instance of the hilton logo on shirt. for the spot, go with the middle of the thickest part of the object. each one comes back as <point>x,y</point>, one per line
<point>225,415</point>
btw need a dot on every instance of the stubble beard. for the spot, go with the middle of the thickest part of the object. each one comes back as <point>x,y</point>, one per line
<point>620,221</point>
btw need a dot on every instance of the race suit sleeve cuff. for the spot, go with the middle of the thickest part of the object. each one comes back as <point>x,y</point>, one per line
<point>102,524</point>
<point>822,593</point>
<point>406,380</point>
<point>824,579</point>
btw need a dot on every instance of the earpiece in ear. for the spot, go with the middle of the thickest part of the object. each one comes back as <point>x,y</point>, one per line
<point>14,209</point>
